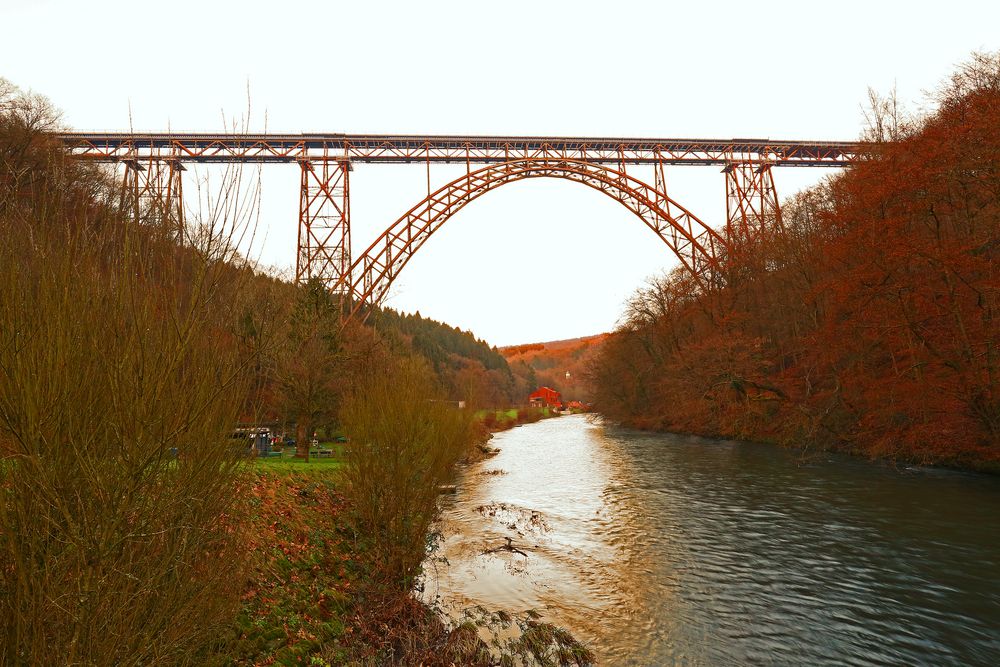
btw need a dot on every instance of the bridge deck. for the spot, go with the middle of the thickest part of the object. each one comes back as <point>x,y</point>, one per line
<point>208,147</point>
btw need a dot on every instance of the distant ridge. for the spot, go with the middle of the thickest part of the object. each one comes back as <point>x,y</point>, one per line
<point>525,349</point>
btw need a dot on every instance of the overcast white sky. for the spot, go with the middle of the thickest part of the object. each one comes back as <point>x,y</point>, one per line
<point>611,68</point>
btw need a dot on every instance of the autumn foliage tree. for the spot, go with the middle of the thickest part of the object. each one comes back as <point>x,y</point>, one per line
<point>868,324</point>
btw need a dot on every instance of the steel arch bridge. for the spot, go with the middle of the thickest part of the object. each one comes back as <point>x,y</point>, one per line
<point>153,167</point>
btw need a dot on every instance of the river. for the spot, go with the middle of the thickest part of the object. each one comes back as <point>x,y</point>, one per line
<point>660,549</point>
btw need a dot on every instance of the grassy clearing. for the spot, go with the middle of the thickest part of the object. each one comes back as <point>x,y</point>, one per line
<point>288,465</point>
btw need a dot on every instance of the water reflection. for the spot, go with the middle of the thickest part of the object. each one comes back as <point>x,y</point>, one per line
<point>662,549</point>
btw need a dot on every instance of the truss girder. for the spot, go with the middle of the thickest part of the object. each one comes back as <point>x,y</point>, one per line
<point>324,245</point>
<point>112,147</point>
<point>697,245</point>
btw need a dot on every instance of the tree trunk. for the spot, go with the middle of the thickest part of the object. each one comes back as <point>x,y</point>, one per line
<point>301,440</point>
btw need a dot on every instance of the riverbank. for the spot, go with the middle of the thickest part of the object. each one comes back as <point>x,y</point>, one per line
<point>312,597</point>
<point>816,447</point>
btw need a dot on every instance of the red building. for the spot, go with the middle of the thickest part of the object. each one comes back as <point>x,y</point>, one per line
<point>546,396</point>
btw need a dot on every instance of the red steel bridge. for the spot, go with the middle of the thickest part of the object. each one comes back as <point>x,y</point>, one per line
<point>153,164</point>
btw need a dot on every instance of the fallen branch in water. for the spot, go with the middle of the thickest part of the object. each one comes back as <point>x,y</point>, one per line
<point>506,547</point>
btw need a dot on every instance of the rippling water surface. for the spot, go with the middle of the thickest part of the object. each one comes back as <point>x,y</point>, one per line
<point>664,549</point>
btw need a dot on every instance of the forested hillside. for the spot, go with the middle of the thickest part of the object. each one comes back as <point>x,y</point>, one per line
<point>309,359</point>
<point>868,324</point>
<point>473,370</point>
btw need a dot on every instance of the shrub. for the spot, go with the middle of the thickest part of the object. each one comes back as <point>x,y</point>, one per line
<point>404,443</point>
<point>490,419</point>
<point>117,348</point>
<point>530,415</point>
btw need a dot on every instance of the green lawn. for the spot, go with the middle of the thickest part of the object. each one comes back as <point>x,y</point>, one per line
<point>288,464</point>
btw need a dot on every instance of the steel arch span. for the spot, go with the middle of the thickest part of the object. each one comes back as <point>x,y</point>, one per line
<point>699,247</point>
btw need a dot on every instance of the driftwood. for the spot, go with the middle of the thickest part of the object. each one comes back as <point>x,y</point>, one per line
<point>506,547</point>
